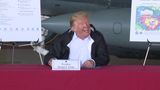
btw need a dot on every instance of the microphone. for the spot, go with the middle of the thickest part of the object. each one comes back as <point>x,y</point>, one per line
<point>37,47</point>
<point>40,50</point>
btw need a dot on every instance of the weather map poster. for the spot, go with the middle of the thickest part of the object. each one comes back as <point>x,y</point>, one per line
<point>20,20</point>
<point>145,21</point>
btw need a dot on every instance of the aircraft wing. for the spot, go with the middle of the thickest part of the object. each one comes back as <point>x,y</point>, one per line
<point>58,7</point>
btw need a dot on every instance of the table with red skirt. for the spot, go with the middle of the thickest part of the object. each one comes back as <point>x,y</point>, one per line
<point>41,77</point>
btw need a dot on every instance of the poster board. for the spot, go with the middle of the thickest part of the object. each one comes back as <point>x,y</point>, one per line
<point>20,20</point>
<point>145,21</point>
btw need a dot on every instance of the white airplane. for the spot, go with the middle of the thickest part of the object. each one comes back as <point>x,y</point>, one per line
<point>110,17</point>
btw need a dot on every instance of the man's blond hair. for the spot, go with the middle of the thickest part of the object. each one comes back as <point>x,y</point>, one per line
<point>78,15</point>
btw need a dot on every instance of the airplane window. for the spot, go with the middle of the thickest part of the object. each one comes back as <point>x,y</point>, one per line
<point>117,28</point>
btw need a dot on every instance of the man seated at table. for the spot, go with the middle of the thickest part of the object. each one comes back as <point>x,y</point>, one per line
<point>81,42</point>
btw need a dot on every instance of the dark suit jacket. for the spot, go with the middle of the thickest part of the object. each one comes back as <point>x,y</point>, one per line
<point>60,50</point>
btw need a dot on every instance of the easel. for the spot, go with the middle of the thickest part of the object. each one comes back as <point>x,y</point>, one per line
<point>37,46</point>
<point>149,45</point>
<point>13,50</point>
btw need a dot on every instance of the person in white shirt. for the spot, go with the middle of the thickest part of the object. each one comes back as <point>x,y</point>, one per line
<point>81,42</point>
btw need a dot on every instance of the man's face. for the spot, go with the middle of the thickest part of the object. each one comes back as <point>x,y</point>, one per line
<point>82,28</point>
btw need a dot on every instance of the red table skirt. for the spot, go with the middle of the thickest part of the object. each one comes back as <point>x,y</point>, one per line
<point>40,77</point>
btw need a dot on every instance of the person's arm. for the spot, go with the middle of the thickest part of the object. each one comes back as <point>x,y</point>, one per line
<point>49,57</point>
<point>101,51</point>
<point>54,51</point>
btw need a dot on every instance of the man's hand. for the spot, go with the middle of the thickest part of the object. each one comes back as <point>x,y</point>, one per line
<point>88,64</point>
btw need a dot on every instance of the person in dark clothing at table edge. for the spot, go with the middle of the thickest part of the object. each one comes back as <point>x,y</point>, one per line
<point>81,42</point>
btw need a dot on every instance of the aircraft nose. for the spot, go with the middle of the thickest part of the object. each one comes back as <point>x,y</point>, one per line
<point>57,24</point>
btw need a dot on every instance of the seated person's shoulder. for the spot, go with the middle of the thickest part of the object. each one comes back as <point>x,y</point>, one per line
<point>96,34</point>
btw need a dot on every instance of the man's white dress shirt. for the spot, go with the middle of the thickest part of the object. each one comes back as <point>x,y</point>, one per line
<point>80,49</point>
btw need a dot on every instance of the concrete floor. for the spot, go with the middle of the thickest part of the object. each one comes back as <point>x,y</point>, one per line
<point>20,56</point>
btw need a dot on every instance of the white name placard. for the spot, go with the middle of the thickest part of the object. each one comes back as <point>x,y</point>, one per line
<point>65,65</point>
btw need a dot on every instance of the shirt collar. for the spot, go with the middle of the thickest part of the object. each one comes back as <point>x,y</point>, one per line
<point>76,37</point>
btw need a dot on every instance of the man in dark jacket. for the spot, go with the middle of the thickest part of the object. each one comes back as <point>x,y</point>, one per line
<point>81,42</point>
